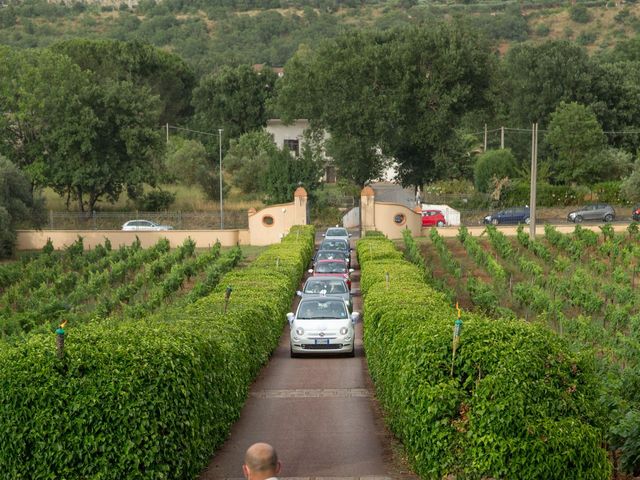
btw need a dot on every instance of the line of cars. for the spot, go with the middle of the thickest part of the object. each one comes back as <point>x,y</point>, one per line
<point>324,321</point>
<point>601,212</point>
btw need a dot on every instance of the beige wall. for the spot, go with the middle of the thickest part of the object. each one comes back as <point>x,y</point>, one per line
<point>284,216</point>
<point>36,239</point>
<point>380,216</point>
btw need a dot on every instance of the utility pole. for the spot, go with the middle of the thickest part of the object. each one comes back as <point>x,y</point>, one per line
<point>221,209</point>
<point>502,138</point>
<point>534,175</point>
<point>485,137</point>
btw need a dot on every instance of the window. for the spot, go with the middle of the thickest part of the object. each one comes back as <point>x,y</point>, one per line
<point>267,220</point>
<point>293,145</point>
<point>399,219</point>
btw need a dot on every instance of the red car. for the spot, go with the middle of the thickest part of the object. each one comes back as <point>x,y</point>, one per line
<point>433,218</point>
<point>333,268</point>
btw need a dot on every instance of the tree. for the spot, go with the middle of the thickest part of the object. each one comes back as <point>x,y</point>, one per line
<point>631,185</point>
<point>165,74</point>
<point>185,160</point>
<point>234,99</point>
<point>400,93</point>
<point>538,77</point>
<point>576,137</point>
<point>493,164</point>
<point>285,173</point>
<point>17,204</point>
<point>248,159</point>
<point>87,140</point>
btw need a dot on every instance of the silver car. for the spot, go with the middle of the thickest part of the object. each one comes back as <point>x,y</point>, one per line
<point>597,211</point>
<point>144,226</point>
<point>334,287</point>
<point>322,325</point>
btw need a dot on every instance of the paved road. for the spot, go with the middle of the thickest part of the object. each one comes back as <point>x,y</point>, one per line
<point>321,416</point>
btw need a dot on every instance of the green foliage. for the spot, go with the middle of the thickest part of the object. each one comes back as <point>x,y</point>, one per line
<point>576,136</point>
<point>493,417</point>
<point>248,159</point>
<point>579,13</point>
<point>17,204</point>
<point>493,164</point>
<point>155,201</point>
<point>286,172</point>
<point>630,187</point>
<point>185,161</point>
<point>168,387</point>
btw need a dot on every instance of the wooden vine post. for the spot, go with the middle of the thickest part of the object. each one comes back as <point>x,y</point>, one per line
<point>457,328</point>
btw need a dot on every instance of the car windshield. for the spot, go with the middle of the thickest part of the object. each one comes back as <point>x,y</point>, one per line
<point>322,308</point>
<point>334,245</point>
<point>337,232</point>
<point>330,255</point>
<point>327,286</point>
<point>331,267</point>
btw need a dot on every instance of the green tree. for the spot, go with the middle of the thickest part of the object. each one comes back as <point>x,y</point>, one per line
<point>86,140</point>
<point>493,164</point>
<point>17,204</point>
<point>248,159</point>
<point>234,99</point>
<point>631,185</point>
<point>286,172</point>
<point>185,160</point>
<point>401,93</point>
<point>165,74</point>
<point>576,138</point>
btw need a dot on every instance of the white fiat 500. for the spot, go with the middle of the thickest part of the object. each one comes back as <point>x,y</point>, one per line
<point>322,325</point>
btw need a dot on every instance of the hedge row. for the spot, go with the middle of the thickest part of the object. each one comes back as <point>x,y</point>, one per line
<point>518,405</point>
<point>147,399</point>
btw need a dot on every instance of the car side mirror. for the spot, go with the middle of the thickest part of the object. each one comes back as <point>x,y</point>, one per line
<point>310,270</point>
<point>355,316</point>
<point>299,293</point>
<point>323,234</point>
<point>350,249</point>
<point>290,317</point>
<point>349,234</point>
<point>351,270</point>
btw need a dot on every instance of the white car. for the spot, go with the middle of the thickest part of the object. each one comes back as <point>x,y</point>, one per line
<point>322,325</point>
<point>337,232</point>
<point>144,226</point>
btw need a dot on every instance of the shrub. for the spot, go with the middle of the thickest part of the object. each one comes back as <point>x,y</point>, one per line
<point>145,399</point>
<point>543,30</point>
<point>155,201</point>
<point>518,404</point>
<point>493,163</point>
<point>579,14</point>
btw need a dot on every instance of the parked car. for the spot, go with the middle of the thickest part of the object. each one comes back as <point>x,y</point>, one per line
<point>322,325</point>
<point>332,255</point>
<point>144,226</point>
<point>509,215</point>
<point>337,232</point>
<point>332,268</point>
<point>334,287</point>
<point>635,214</point>
<point>433,218</point>
<point>335,244</point>
<point>597,211</point>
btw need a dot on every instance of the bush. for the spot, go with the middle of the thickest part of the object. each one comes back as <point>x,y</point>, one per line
<point>610,192</point>
<point>518,404</point>
<point>145,399</point>
<point>155,201</point>
<point>543,30</point>
<point>579,14</point>
<point>518,193</point>
<point>493,164</point>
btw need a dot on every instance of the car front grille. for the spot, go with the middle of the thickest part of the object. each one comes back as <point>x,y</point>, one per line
<point>331,346</point>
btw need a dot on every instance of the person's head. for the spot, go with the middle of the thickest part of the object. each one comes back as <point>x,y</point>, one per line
<point>260,462</point>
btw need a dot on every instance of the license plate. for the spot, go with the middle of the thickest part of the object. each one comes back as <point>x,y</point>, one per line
<point>322,341</point>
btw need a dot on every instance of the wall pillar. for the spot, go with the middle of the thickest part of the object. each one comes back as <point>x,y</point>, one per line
<point>367,210</point>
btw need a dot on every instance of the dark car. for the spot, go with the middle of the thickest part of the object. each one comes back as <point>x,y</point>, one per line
<point>597,211</point>
<point>335,244</point>
<point>509,215</point>
<point>635,214</point>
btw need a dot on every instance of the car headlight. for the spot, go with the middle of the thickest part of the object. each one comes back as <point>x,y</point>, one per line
<point>300,331</point>
<point>344,331</point>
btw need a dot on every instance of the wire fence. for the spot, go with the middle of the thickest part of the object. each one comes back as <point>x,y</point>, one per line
<point>232,219</point>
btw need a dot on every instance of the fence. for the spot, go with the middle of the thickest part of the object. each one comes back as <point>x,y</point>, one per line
<point>233,219</point>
